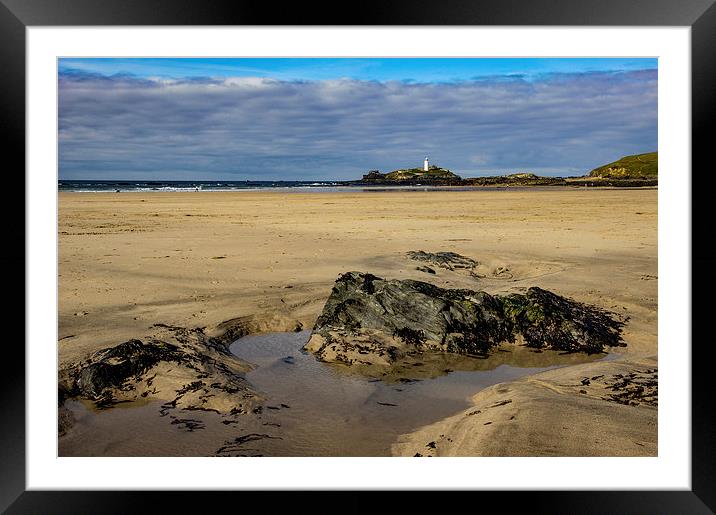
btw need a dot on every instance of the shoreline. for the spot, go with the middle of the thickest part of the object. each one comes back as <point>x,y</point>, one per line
<point>193,261</point>
<point>357,188</point>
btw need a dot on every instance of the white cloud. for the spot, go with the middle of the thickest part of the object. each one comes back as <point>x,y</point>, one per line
<point>252,128</point>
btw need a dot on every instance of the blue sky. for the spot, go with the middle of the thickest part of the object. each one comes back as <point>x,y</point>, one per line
<point>316,119</point>
<point>379,69</point>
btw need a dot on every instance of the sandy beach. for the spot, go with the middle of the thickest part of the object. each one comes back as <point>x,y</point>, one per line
<point>130,260</point>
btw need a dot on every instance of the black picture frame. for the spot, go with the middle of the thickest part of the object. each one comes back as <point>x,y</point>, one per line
<point>700,15</point>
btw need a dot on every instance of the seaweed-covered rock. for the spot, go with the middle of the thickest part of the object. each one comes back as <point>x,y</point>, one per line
<point>447,260</point>
<point>184,367</point>
<point>546,320</point>
<point>112,367</point>
<point>370,320</point>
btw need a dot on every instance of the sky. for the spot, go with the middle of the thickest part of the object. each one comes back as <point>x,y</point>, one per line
<point>337,118</point>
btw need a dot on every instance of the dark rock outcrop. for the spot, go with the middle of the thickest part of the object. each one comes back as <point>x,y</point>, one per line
<point>373,175</point>
<point>183,366</point>
<point>374,321</point>
<point>516,179</point>
<point>112,367</point>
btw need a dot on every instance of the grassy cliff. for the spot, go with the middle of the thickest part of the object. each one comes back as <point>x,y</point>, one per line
<point>640,166</point>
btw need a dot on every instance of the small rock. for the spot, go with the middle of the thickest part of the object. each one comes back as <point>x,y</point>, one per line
<point>447,260</point>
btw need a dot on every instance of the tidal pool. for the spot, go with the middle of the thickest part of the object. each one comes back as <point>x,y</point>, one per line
<point>328,410</point>
<point>311,409</point>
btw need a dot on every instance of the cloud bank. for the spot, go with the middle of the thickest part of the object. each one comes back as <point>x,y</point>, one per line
<point>124,127</point>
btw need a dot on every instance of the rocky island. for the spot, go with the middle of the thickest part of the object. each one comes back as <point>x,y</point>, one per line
<point>629,171</point>
<point>412,176</point>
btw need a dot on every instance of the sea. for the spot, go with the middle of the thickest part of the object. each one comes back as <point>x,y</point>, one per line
<point>96,186</point>
<point>171,186</point>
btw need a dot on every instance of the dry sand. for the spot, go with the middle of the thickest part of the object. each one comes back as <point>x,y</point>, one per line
<point>131,260</point>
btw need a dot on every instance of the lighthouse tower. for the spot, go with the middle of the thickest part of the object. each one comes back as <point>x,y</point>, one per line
<point>426,164</point>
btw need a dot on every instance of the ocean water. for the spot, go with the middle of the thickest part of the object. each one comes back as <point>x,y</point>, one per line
<point>297,186</point>
<point>173,186</point>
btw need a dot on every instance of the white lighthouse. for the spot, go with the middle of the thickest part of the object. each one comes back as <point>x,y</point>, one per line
<point>426,164</point>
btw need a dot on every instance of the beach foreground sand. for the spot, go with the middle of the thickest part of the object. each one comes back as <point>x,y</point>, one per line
<point>128,261</point>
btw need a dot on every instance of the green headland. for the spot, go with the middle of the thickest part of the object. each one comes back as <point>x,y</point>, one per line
<point>639,166</point>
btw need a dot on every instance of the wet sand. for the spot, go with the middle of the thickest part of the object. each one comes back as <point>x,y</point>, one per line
<point>131,260</point>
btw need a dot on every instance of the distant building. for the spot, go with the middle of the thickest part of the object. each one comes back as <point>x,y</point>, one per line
<point>426,164</point>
